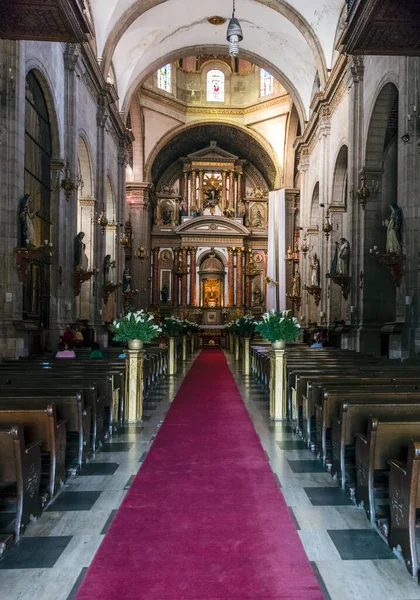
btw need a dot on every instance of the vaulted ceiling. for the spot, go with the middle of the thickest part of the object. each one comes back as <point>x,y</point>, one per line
<point>293,40</point>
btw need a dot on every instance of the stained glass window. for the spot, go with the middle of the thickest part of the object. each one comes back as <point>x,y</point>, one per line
<point>267,83</point>
<point>215,86</point>
<point>165,78</point>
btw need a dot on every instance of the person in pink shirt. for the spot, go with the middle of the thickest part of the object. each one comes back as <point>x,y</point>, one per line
<point>64,352</point>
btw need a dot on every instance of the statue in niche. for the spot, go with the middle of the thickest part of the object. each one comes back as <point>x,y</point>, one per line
<point>394,230</point>
<point>196,212</point>
<point>164,294</point>
<point>257,219</point>
<point>26,217</point>
<point>343,258</point>
<point>315,272</point>
<point>106,269</point>
<point>166,215</point>
<point>80,258</point>
<point>183,209</point>
<point>127,283</point>
<point>296,284</point>
<point>257,295</point>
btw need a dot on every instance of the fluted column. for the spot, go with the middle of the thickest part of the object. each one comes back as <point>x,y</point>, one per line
<point>175,280</point>
<point>184,280</point>
<point>232,191</point>
<point>239,277</point>
<point>193,277</point>
<point>155,284</point>
<point>224,195</point>
<point>247,280</point>
<point>200,190</point>
<point>193,188</point>
<point>231,274</point>
<point>185,189</point>
<point>265,275</point>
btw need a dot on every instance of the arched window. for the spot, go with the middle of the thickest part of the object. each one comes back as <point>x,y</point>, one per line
<point>266,84</point>
<point>38,151</point>
<point>215,86</point>
<point>165,78</point>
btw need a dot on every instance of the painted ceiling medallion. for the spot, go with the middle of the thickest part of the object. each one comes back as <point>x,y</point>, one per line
<point>216,20</point>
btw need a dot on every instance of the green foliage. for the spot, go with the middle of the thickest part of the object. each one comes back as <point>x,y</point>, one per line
<point>277,326</point>
<point>135,326</point>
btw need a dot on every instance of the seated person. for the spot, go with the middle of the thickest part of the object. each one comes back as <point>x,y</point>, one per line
<point>96,351</point>
<point>68,337</point>
<point>64,352</point>
<point>319,340</point>
<point>78,338</point>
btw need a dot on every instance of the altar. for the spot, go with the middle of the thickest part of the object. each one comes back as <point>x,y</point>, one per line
<point>212,316</point>
<point>212,336</point>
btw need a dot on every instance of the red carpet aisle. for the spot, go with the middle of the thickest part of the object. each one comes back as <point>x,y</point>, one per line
<point>204,519</point>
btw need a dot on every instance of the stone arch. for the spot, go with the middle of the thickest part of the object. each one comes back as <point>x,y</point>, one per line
<point>110,199</point>
<point>314,214</point>
<point>339,185</point>
<point>85,167</point>
<point>35,66</point>
<point>281,6</point>
<point>272,172</point>
<point>379,118</point>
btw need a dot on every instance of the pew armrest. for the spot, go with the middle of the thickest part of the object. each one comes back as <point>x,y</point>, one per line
<point>30,447</point>
<point>398,465</point>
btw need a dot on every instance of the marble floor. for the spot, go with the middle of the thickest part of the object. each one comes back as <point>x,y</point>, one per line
<point>350,559</point>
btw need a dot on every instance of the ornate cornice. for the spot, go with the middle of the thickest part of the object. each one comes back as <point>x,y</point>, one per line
<point>184,108</point>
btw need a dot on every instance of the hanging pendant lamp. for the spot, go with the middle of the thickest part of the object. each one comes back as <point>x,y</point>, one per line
<point>234,34</point>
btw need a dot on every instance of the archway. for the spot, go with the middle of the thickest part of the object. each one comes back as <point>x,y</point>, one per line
<point>212,287</point>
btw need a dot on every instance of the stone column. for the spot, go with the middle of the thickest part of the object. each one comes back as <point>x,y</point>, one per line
<point>246,355</point>
<point>185,188</point>
<point>200,191</point>
<point>232,201</point>
<point>193,188</point>
<point>184,347</point>
<point>277,385</point>
<point>193,277</point>
<point>247,294</point>
<point>237,345</point>
<point>155,282</point>
<point>134,386</point>
<point>231,275</point>
<point>231,343</point>
<point>239,196</point>
<point>239,277</point>
<point>224,194</point>
<point>172,358</point>
<point>141,208</point>
<point>184,281</point>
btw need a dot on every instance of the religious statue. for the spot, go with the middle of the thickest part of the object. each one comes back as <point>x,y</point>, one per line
<point>26,218</point>
<point>257,295</point>
<point>196,212</point>
<point>80,257</point>
<point>212,198</point>
<point>229,212</point>
<point>127,284</point>
<point>315,272</point>
<point>257,220</point>
<point>183,209</point>
<point>296,284</point>
<point>107,268</point>
<point>166,215</point>
<point>164,294</point>
<point>343,262</point>
<point>394,230</point>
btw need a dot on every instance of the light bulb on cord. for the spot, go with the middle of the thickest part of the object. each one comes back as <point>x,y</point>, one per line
<point>234,34</point>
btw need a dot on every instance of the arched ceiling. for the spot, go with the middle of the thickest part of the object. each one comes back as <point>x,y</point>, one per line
<point>232,139</point>
<point>295,37</point>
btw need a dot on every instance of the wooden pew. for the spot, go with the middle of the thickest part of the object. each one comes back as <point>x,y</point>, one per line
<point>65,387</point>
<point>404,500</point>
<point>383,441</point>
<point>70,409</point>
<point>20,476</point>
<point>40,423</point>
<point>353,418</point>
<point>333,396</point>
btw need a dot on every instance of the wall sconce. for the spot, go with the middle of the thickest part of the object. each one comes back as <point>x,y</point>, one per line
<point>305,246</point>
<point>365,192</point>
<point>67,184</point>
<point>405,138</point>
<point>141,252</point>
<point>327,227</point>
<point>102,220</point>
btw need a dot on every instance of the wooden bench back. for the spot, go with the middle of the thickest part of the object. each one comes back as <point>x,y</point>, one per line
<point>391,439</point>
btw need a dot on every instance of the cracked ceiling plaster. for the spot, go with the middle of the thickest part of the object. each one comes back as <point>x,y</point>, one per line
<point>293,39</point>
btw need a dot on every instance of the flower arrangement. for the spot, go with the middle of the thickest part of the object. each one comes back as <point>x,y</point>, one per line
<point>276,325</point>
<point>173,326</point>
<point>191,327</point>
<point>135,326</point>
<point>245,325</point>
<point>232,327</point>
